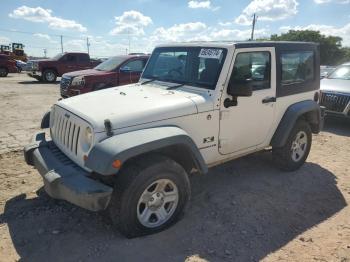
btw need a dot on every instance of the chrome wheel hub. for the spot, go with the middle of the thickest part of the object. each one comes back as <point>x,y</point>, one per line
<point>299,146</point>
<point>50,76</point>
<point>157,203</point>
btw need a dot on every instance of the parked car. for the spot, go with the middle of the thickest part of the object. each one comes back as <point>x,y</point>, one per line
<point>130,149</point>
<point>49,69</point>
<point>116,71</point>
<point>335,92</point>
<point>7,65</point>
<point>21,66</point>
<point>326,70</point>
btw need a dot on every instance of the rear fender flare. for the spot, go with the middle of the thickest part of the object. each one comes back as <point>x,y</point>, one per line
<point>308,109</point>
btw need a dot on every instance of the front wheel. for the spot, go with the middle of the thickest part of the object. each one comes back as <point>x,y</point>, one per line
<point>49,75</point>
<point>294,153</point>
<point>149,195</point>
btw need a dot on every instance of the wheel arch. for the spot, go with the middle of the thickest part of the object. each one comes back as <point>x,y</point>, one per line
<point>49,68</point>
<point>308,110</point>
<point>170,141</point>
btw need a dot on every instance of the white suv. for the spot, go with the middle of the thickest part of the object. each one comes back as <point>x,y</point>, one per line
<point>130,149</point>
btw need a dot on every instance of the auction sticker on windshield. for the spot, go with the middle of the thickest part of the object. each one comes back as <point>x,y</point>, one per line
<point>210,53</point>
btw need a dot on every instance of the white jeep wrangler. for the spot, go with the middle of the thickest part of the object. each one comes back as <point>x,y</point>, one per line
<point>131,149</point>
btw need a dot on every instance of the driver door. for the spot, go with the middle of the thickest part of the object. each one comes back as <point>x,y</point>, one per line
<point>131,71</point>
<point>247,125</point>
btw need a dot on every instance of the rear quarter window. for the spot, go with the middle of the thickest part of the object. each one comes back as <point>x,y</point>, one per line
<point>297,67</point>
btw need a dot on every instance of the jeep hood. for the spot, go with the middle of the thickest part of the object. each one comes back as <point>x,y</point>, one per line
<point>134,104</point>
<point>88,72</point>
<point>335,85</point>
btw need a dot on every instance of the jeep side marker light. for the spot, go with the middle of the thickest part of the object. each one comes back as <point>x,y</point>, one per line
<point>117,164</point>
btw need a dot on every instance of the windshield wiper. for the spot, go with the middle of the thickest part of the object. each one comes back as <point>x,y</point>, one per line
<point>175,87</point>
<point>148,81</point>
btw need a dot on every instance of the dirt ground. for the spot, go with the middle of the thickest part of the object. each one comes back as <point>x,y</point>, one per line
<point>245,210</point>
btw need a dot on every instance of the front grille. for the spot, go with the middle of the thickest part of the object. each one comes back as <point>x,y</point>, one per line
<point>334,102</point>
<point>64,84</point>
<point>66,133</point>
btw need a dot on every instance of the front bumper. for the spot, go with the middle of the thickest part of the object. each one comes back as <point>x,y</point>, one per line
<point>35,74</point>
<point>63,179</point>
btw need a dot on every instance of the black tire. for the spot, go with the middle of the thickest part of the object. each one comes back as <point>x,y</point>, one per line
<point>49,75</point>
<point>133,180</point>
<point>283,156</point>
<point>3,71</point>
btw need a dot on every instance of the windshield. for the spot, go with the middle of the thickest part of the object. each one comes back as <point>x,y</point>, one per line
<point>194,66</point>
<point>111,63</point>
<point>342,72</point>
<point>57,57</point>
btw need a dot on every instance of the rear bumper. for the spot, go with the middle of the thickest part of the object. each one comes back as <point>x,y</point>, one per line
<point>13,70</point>
<point>63,179</point>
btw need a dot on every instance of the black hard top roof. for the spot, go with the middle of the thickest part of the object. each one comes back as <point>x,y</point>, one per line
<point>277,44</point>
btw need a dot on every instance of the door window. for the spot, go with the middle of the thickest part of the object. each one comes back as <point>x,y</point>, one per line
<point>297,67</point>
<point>71,58</point>
<point>134,66</point>
<point>84,58</point>
<point>253,68</point>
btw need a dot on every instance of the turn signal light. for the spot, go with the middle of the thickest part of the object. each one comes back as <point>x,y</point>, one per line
<point>117,164</point>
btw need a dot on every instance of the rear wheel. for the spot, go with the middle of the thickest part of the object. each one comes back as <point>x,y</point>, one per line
<point>149,196</point>
<point>49,75</point>
<point>294,153</point>
<point>3,72</point>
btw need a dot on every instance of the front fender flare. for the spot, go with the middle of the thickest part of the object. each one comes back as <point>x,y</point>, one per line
<point>131,144</point>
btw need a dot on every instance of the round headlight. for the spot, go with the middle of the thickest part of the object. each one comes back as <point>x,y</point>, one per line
<point>87,139</point>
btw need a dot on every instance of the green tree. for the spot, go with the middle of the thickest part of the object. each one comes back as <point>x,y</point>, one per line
<point>331,50</point>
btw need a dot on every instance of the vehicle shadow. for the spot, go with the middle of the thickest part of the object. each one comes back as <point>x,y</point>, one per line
<point>240,211</point>
<point>338,126</point>
<point>36,82</point>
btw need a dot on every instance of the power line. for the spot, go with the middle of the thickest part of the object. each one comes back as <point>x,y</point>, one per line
<point>34,33</point>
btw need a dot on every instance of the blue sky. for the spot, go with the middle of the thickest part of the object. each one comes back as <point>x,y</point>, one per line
<point>145,23</point>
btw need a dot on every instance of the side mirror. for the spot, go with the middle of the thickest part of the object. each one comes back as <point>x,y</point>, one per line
<point>240,88</point>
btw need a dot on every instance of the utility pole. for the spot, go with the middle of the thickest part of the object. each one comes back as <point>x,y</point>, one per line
<point>61,43</point>
<point>129,39</point>
<point>255,19</point>
<point>88,45</point>
<point>45,52</point>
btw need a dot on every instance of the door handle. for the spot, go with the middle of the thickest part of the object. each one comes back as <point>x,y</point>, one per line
<point>269,100</point>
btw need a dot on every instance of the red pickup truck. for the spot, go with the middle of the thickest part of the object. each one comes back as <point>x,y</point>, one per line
<point>49,69</point>
<point>7,65</point>
<point>117,70</point>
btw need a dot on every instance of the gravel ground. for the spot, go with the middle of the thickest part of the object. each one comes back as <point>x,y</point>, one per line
<point>244,210</point>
